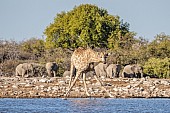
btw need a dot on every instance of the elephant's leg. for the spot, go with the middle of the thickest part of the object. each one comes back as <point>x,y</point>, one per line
<point>97,73</point>
<point>54,73</point>
<point>102,86</point>
<point>110,74</point>
<point>123,75</point>
<point>16,73</point>
<point>135,75</point>
<point>23,73</point>
<point>141,75</point>
<point>107,73</point>
<point>118,74</point>
<point>100,73</point>
<point>49,72</point>
<point>132,75</point>
<point>113,74</point>
<point>84,80</point>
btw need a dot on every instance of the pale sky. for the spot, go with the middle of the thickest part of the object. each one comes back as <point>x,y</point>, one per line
<point>23,19</point>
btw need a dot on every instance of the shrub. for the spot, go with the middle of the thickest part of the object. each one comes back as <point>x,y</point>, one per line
<point>158,67</point>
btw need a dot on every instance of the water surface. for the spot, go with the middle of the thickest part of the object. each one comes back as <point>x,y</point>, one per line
<point>84,105</point>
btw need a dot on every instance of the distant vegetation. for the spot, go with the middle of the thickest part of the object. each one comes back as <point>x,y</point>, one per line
<point>89,26</point>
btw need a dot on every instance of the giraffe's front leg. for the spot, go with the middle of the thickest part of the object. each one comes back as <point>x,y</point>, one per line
<point>73,83</point>
<point>103,87</point>
<point>84,80</point>
<point>71,73</point>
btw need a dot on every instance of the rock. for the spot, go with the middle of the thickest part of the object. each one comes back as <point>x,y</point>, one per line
<point>22,83</point>
<point>35,80</point>
<point>57,86</point>
<point>164,82</point>
<point>115,89</point>
<point>152,88</point>
<point>43,80</point>
<point>41,86</point>
<point>28,85</point>
<point>62,82</point>
<point>135,79</point>
<point>128,86</point>
<point>15,86</point>
<point>52,80</point>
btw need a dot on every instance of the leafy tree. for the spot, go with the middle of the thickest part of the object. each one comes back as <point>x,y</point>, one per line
<point>85,25</point>
<point>160,46</point>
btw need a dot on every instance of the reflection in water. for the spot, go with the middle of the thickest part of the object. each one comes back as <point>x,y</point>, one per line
<point>84,102</point>
<point>85,105</point>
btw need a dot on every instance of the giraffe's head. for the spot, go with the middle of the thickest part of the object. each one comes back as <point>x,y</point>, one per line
<point>101,57</point>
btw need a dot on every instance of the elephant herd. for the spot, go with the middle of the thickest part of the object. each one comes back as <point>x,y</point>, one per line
<point>114,70</point>
<point>30,69</point>
<point>108,71</point>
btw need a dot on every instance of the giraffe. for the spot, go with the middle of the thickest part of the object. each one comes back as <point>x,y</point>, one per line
<point>80,60</point>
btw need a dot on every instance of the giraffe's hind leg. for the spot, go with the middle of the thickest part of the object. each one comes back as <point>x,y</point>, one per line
<point>84,80</point>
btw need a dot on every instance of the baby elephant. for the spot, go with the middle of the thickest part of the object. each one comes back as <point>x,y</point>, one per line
<point>23,69</point>
<point>51,68</point>
<point>132,71</point>
<point>113,70</point>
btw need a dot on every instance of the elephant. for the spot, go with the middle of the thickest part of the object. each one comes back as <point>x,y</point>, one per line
<point>23,69</point>
<point>66,74</point>
<point>113,70</point>
<point>51,68</point>
<point>132,71</point>
<point>39,69</point>
<point>100,69</point>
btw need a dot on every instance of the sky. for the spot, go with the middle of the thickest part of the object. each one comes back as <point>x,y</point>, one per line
<point>21,20</point>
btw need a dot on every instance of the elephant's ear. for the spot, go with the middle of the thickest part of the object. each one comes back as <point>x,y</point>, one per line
<point>133,67</point>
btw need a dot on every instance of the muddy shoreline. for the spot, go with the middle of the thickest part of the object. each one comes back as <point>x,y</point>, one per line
<point>56,87</point>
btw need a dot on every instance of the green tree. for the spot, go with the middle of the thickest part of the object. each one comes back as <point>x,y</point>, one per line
<point>85,25</point>
<point>160,46</point>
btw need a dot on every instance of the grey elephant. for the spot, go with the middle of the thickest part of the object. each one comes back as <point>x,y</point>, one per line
<point>100,69</point>
<point>132,71</point>
<point>66,74</point>
<point>39,69</point>
<point>51,68</point>
<point>25,68</point>
<point>113,70</point>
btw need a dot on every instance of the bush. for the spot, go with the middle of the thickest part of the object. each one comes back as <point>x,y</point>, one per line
<point>158,67</point>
